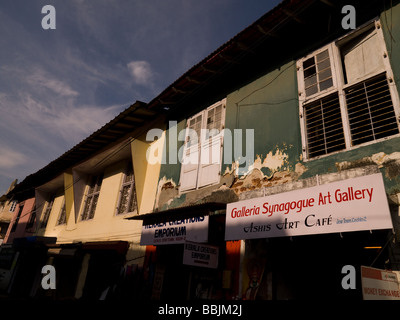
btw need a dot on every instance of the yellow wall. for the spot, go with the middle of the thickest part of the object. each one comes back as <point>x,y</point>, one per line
<point>55,211</point>
<point>106,225</point>
<point>146,173</point>
<point>69,193</point>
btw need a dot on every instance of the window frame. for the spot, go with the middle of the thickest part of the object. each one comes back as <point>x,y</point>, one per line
<point>13,205</point>
<point>98,181</point>
<point>16,220</point>
<point>300,74</point>
<point>340,86</point>
<point>60,215</point>
<point>131,193</point>
<point>46,212</point>
<point>200,144</point>
<point>31,222</point>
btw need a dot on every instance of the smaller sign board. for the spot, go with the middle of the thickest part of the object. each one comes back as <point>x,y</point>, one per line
<point>380,284</point>
<point>200,255</point>
<point>175,231</point>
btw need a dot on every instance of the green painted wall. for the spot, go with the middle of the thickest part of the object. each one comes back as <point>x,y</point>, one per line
<point>171,170</point>
<point>390,20</point>
<point>269,106</point>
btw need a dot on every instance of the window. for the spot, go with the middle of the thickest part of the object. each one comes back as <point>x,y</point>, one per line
<point>47,211</point>
<point>127,199</point>
<point>202,153</point>
<point>324,126</point>
<point>13,206</point>
<point>347,95</point>
<point>62,218</point>
<point>14,226</point>
<point>92,196</point>
<point>370,110</point>
<point>31,221</point>
<point>317,73</point>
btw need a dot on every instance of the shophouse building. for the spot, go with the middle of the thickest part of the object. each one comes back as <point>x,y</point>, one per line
<point>71,215</point>
<point>287,141</point>
<point>258,174</point>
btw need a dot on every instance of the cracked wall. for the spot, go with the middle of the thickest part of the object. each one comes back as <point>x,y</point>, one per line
<point>277,150</point>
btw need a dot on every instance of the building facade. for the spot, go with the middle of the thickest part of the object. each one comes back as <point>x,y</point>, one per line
<point>258,174</point>
<point>72,215</point>
<point>303,107</point>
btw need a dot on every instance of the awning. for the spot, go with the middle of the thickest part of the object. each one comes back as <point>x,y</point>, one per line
<point>69,249</point>
<point>208,208</point>
<point>65,252</point>
<point>34,240</point>
<point>120,247</point>
<point>178,225</point>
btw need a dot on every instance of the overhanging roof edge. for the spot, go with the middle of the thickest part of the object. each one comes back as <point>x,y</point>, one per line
<point>194,210</point>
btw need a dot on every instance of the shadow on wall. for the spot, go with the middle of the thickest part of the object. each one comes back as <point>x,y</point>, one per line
<point>82,271</point>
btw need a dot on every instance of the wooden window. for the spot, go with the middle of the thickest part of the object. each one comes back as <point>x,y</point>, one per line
<point>370,110</point>
<point>317,73</point>
<point>202,153</point>
<point>62,218</point>
<point>347,95</point>
<point>14,226</point>
<point>47,211</point>
<point>127,200</point>
<point>13,205</point>
<point>31,221</point>
<point>92,197</point>
<point>360,58</point>
<point>324,126</point>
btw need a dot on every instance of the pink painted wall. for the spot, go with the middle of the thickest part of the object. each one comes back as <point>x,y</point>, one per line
<point>21,231</point>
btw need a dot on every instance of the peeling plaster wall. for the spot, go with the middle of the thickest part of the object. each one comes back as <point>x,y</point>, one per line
<point>280,169</point>
<point>383,155</point>
<point>276,149</point>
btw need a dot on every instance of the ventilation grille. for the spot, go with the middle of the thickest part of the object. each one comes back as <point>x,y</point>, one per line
<point>370,110</point>
<point>324,126</point>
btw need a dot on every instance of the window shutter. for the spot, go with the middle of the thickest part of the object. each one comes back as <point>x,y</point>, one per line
<point>191,153</point>
<point>362,57</point>
<point>211,146</point>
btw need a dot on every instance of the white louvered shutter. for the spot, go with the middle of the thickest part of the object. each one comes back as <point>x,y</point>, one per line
<point>191,153</point>
<point>211,145</point>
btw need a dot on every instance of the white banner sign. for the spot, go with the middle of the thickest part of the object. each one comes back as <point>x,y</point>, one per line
<point>175,231</point>
<point>380,284</point>
<point>200,255</point>
<point>348,205</point>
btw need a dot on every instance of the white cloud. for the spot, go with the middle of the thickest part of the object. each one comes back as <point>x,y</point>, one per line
<point>47,108</point>
<point>77,123</point>
<point>141,72</point>
<point>38,80</point>
<point>43,80</point>
<point>11,158</point>
<point>67,120</point>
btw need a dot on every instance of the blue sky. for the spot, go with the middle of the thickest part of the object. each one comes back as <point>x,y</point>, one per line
<point>58,86</point>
